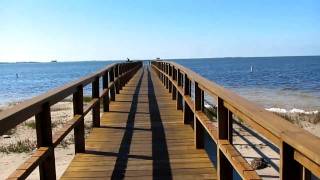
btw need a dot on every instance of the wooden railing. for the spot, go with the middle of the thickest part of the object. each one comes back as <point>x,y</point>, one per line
<point>299,150</point>
<point>113,77</point>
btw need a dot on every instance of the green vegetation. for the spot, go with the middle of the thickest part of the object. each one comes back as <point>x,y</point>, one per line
<point>66,142</point>
<point>21,146</point>
<point>30,124</point>
<point>211,112</point>
<point>296,118</point>
<point>87,99</point>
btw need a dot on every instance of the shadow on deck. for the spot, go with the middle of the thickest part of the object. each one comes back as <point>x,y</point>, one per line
<point>142,137</point>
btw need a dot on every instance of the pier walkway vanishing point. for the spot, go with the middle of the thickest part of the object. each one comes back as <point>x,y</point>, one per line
<point>153,125</point>
<point>142,137</point>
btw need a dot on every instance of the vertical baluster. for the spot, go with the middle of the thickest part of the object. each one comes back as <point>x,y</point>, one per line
<point>224,167</point>
<point>112,90</point>
<point>120,78</point>
<point>170,74</point>
<point>79,142</point>
<point>187,113</point>
<point>230,127</point>
<point>96,108</point>
<point>167,79</point>
<point>105,85</point>
<point>47,168</point>
<point>179,96</point>
<point>165,72</point>
<point>198,128</point>
<point>174,77</point>
<point>289,168</point>
<point>162,73</point>
<point>116,75</point>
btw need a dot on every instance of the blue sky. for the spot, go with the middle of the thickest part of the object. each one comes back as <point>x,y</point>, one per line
<point>70,30</point>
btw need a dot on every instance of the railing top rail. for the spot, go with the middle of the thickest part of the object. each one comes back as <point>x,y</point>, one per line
<point>281,129</point>
<point>20,112</point>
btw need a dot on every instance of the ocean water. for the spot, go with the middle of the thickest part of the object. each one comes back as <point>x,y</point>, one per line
<point>285,83</point>
<point>279,83</point>
<point>36,78</point>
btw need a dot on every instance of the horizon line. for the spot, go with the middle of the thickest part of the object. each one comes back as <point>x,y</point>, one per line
<point>138,59</point>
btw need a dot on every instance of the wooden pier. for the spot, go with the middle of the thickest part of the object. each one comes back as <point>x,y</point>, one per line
<point>152,125</point>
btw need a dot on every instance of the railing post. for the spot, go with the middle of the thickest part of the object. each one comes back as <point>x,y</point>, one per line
<point>198,106</point>
<point>162,73</point>
<point>224,166</point>
<point>47,168</point>
<point>170,74</point>
<point>120,78</point>
<point>106,97</point>
<point>165,72</point>
<point>289,168</point>
<point>79,142</point>
<point>179,96</point>
<point>116,74</point>
<point>187,113</point>
<point>167,78</point>
<point>112,90</point>
<point>230,127</point>
<point>96,108</point>
<point>174,77</point>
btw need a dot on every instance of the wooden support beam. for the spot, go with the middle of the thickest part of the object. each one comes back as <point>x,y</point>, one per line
<point>198,128</point>
<point>225,171</point>
<point>187,113</point>
<point>106,97</point>
<point>96,107</point>
<point>224,166</point>
<point>230,127</point>
<point>112,89</point>
<point>289,168</point>
<point>79,141</point>
<point>167,79</point>
<point>174,89</point>
<point>47,168</point>
<point>179,96</point>
<point>116,75</point>
<point>170,74</point>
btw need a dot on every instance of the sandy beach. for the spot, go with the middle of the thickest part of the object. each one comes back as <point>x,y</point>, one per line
<point>18,144</point>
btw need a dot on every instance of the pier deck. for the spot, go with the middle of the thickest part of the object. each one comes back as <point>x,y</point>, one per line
<point>142,137</point>
<point>150,122</point>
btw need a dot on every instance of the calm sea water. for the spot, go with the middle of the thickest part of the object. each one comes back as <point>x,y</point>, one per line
<point>36,78</point>
<point>282,82</point>
<point>278,82</point>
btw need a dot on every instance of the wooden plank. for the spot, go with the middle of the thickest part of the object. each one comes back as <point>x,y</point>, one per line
<point>132,146</point>
<point>25,169</point>
<point>270,125</point>
<point>228,156</point>
<point>307,163</point>
<point>63,132</point>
